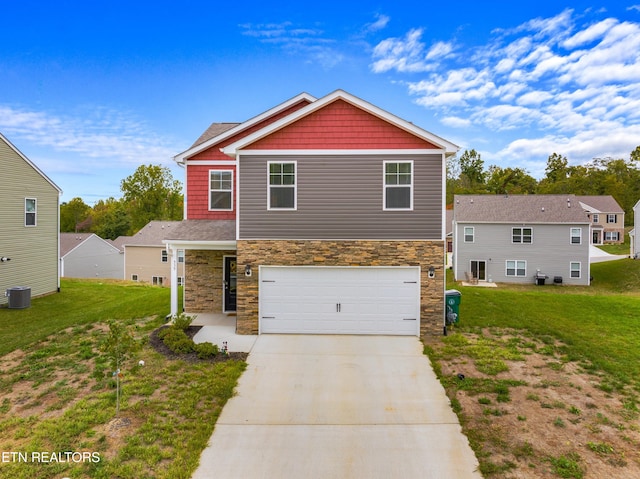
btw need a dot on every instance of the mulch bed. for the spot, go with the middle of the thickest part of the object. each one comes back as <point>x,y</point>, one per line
<point>191,331</point>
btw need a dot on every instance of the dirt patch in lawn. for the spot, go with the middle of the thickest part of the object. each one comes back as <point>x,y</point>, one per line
<point>529,412</point>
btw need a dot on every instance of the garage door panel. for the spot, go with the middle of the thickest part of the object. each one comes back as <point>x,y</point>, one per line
<point>349,300</point>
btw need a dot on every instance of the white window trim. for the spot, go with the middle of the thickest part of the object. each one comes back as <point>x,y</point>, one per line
<point>134,277</point>
<point>385,186</point>
<point>35,212</point>
<point>596,218</point>
<point>521,228</point>
<point>180,256</point>
<point>614,217</point>
<point>516,275</point>
<point>473,234</point>
<point>164,256</point>
<point>295,184</point>
<point>571,235</point>
<point>579,263</point>
<point>212,190</point>
<point>157,280</point>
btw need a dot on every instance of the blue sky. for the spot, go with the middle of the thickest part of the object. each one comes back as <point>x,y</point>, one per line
<point>91,90</point>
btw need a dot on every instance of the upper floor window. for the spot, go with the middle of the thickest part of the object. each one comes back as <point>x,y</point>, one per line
<point>469,234</point>
<point>164,256</point>
<point>576,235</point>
<point>282,186</point>
<point>612,218</point>
<point>596,218</point>
<point>522,235</point>
<point>30,211</point>
<point>221,190</point>
<point>398,185</point>
<point>180,256</point>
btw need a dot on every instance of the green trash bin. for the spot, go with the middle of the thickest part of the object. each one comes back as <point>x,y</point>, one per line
<point>453,297</point>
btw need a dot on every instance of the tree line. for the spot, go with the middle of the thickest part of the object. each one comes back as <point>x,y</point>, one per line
<point>150,193</point>
<point>620,178</point>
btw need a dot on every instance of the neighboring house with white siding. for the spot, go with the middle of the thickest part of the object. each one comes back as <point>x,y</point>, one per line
<point>29,225</point>
<point>86,255</point>
<point>607,218</point>
<point>147,259</point>
<point>635,233</point>
<point>515,238</point>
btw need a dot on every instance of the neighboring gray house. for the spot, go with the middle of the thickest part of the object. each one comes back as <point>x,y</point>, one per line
<point>29,225</point>
<point>607,218</point>
<point>513,238</point>
<point>86,255</point>
<point>633,234</point>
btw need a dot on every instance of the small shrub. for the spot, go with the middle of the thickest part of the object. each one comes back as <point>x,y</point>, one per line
<point>178,342</point>
<point>601,448</point>
<point>567,466</point>
<point>484,400</point>
<point>182,321</point>
<point>206,350</point>
<point>558,422</point>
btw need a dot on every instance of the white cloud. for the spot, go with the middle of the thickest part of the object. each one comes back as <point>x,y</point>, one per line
<point>569,83</point>
<point>380,23</point>
<point>109,138</point>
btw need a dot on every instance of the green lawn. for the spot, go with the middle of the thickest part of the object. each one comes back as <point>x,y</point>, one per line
<point>600,322</point>
<point>79,302</point>
<point>59,391</point>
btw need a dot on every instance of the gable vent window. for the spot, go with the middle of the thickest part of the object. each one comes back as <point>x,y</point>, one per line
<point>282,186</point>
<point>398,185</point>
<point>221,190</point>
<point>30,211</point>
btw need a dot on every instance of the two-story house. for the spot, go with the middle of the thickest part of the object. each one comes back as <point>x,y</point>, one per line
<point>29,226</point>
<point>607,218</point>
<point>520,238</point>
<point>317,216</point>
<point>146,259</point>
<point>634,251</point>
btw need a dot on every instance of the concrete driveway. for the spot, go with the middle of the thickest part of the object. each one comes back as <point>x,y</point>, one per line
<point>312,406</point>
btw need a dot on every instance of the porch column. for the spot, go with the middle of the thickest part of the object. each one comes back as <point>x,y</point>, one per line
<point>173,254</point>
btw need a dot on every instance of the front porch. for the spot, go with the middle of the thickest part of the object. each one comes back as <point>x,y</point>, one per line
<point>218,328</point>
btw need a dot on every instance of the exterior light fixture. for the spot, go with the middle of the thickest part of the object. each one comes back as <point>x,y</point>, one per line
<point>432,272</point>
<point>247,270</point>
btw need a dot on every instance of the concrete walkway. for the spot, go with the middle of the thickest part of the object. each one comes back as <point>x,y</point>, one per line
<point>311,406</point>
<point>596,255</point>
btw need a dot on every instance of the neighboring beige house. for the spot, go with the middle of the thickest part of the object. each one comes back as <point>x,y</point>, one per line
<point>607,218</point>
<point>147,259</point>
<point>29,225</point>
<point>86,255</point>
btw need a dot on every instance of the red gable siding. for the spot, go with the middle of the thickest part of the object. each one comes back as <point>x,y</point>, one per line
<point>340,125</point>
<point>198,175</point>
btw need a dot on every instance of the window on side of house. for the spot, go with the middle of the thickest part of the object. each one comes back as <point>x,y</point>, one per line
<point>30,211</point>
<point>180,256</point>
<point>398,185</point>
<point>180,281</point>
<point>516,267</point>
<point>522,235</point>
<point>164,256</point>
<point>469,234</point>
<point>575,268</point>
<point>282,185</point>
<point>134,277</point>
<point>596,218</point>
<point>576,235</point>
<point>612,218</point>
<point>220,190</point>
<point>156,280</point>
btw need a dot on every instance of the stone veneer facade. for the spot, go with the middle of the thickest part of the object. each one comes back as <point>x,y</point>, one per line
<point>343,253</point>
<point>204,284</point>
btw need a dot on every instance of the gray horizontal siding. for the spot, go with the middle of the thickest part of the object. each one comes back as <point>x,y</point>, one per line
<point>340,197</point>
<point>551,252</point>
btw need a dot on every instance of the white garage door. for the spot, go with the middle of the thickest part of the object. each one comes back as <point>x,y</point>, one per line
<point>340,300</point>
